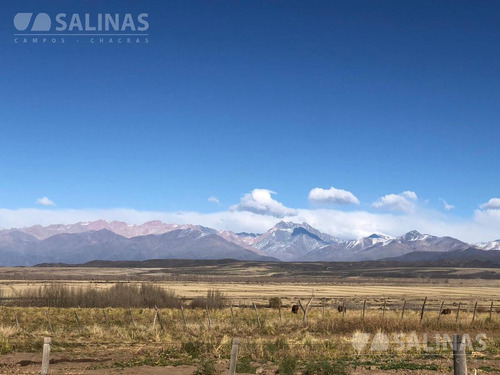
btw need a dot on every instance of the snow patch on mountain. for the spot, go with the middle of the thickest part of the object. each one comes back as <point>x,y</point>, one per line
<point>492,245</point>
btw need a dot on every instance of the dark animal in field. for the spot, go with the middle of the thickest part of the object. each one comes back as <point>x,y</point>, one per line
<point>341,308</point>
<point>295,309</point>
<point>446,312</point>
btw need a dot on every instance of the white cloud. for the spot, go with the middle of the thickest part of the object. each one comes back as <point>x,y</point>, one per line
<point>213,199</point>
<point>260,201</point>
<point>403,202</point>
<point>332,195</point>
<point>45,202</point>
<point>492,204</point>
<point>446,205</point>
<point>410,195</point>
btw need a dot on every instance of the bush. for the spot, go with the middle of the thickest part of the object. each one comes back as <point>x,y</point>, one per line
<point>288,365</point>
<point>193,348</point>
<point>244,364</point>
<point>215,299</point>
<point>275,303</point>
<point>119,295</point>
<point>206,367</point>
<point>5,346</point>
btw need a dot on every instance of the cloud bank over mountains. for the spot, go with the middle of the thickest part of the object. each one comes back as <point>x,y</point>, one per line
<point>259,210</point>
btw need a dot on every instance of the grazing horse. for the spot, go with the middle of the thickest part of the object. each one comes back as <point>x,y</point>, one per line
<point>341,308</point>
<point>295,309</point>
<point>446,312</point>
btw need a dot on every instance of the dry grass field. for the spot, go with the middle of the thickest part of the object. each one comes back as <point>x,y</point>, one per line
<point>112,340</point>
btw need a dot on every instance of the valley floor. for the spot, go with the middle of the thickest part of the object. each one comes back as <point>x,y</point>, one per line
<point>132,341</point>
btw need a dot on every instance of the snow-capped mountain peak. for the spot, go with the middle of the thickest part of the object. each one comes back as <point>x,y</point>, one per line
<point>286,241</point>
<point>412,236</point>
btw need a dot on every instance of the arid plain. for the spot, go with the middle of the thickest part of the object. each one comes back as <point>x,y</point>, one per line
<point>109,340</point>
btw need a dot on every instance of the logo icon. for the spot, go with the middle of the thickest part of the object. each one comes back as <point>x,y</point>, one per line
<point>42,22</point>
<point>359,341</point>
<point>380,343</point>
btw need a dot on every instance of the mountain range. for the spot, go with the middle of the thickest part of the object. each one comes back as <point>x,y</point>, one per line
<point>286,241</point>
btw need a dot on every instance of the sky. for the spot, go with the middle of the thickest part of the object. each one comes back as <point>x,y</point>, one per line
<point>355,116</point>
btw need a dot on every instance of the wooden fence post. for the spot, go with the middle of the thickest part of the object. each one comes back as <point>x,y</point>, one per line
<point>458,312</point>
<point>48,320</point>
<point>257,314</point>
<point>279,311</point>
<point>158,317</point>
<point>154,321</point>
<point>78,321</point>
<point>323,309</point>
<point>423,310</point>
<point>364,309</point>
<point>208,318</point>
<point>132,317</point>
<point>184,317</point>
<point>459,358</point>
<point>232,312</point>
<point>383,309</point>
<point>105,317</point>
<point>234,356</point>
<point>46,356</point>
<point>305,309</point>
<point>491,309</point>
<point>19,326</point>
<point>403,310</point>
<point>440,309</point>
<point>474,314</point>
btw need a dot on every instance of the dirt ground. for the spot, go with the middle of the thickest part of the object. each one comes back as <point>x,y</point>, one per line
<point>61,364</point>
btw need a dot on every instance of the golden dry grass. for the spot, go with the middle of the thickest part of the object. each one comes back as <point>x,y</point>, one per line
<point>136,342</point>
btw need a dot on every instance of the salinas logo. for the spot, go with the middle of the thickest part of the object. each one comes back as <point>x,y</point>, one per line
<point>42,22</point>
<point>87,23</point>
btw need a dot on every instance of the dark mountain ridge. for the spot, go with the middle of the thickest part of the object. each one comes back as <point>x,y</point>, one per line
<point>106,245</point>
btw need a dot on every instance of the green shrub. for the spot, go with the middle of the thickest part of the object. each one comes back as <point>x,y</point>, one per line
<point>288,365</point>
<point>272,349</point>
<point>244,365</point>
<point>325,367</point>
<point>193,348</point>
<point>5,346</point>
<point>275,303</point>
<point>206,367</point>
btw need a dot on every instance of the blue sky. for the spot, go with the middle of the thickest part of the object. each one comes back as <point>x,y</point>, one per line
<point>372,97</point>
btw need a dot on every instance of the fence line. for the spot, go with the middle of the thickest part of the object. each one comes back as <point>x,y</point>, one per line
<point>481,312</point>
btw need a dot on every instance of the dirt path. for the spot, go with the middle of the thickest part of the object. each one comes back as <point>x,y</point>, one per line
<point>61,364</point>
